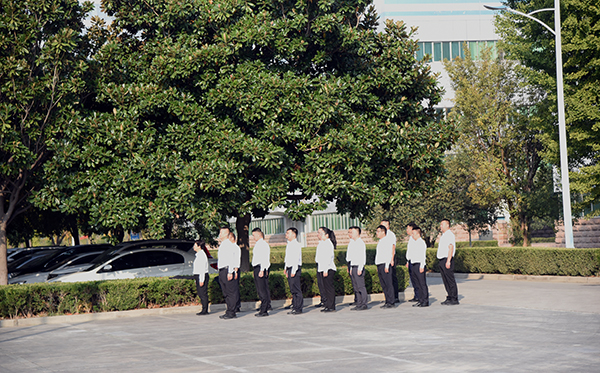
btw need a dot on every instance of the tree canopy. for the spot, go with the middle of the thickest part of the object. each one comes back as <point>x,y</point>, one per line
<point>42,67</point>
<point>531,44</point>
<point>206,110</point>
<point>495,110</point>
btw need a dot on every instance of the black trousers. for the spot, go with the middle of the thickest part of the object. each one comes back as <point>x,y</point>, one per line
<point>394,277</point>
<point>385,279</point>
<point>449,280</point>
<point>358,282</point>
<point>419,283</point>
<point>321,287</point>
<point>413,280</point>
<point>328,289</point>
<point>262,289</point>
<point>295,288</point>
<point>230,291</point>
<point>202,291</point>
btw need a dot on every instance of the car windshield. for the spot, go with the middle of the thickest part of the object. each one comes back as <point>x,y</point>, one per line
<point>35,262</point>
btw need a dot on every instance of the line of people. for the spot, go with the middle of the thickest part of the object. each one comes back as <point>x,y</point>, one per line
<point>229,255</point>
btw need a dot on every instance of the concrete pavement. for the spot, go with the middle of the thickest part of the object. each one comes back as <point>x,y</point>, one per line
<point>500,326</point>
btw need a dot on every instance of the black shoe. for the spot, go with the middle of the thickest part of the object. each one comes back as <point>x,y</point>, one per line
<point>261,314</point>
<point>294,312</point>
<point>238,309</point>
<point>421,305</point>
<point>396,300</point>
<point>413,300</point>
<point>449,302</point>
<point>287,307</point>
<point>352,304</point>
<point>269,308</point>
<point>359,308</point>
<point>202,313</point>
<point>327,310</point>
<point>387,305</point>
<point>227,317</point>
<point>319,305</point>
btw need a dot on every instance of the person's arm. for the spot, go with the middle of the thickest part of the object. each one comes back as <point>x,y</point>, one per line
<point>362,258</point>
<point>450,255</point>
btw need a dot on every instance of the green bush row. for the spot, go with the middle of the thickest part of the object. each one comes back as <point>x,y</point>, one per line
<point>46,299</point>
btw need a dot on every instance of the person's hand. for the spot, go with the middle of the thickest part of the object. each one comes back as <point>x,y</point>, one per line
<point>202,284</point>
<point>359,272</point>
<point>260,273</point>
<point>387,270</point>
<point>447,264</point>
<point>421,270</point>
<point>293,274</point>
<point>229,276</point>
<point>348,270</point>
<point>325,274</point>
<point>406,265</point>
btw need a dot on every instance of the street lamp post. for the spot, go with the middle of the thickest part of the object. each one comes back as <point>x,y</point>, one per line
<point>562,131</point>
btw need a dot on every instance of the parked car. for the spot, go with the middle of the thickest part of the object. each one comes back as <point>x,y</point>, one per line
<point>68,260</point>
<point>31,262</point>
<point>19,252</point>
<point>161,258</point>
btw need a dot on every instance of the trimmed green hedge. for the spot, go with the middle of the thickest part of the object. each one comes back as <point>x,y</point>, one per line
<point>47,299</point>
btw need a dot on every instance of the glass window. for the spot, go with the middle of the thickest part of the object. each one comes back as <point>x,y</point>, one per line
<point>129,261</point>
<point>456,49</point>
<point>437,51</point>
<point>420,51</point>
<point>427,50</point>
<point>333,221</point>
<point>161,258</point>
<point>446,51</point>
<point>474,49</point>
<point>268,226</point>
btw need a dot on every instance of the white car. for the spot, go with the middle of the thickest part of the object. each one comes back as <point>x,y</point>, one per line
<point>139,259</point>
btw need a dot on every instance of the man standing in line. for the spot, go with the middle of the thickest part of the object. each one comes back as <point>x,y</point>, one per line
<point>236,275</point>
<point>392,236</point>
<point>445,254</point>
<point>417,258</point>
<point>383,260</point>
<point>200,273</point>
<point>293,269</point>
<point>411,241</point>
<point>227,265</point>
<point>261,261</point>
<point>356,256</point>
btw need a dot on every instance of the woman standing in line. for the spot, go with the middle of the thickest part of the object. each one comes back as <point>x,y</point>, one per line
<point>326,268</point>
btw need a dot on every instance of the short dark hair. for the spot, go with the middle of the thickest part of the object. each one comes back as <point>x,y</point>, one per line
<point>226,228</point>
<point>293,229</point>
<point>357,228</point>
<point>383,228</point>
<point>416,228</point>
<point>201,244</point>
<point>447,221</point>
<point>412,225</point>
<point>257,229</point>
<point>386,220</point>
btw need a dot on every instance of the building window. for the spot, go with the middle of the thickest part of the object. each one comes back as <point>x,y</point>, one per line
<point>268,226</point>
<point>333,221</point>
<point>450,50</point>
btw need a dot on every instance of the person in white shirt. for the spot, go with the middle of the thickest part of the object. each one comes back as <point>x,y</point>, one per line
<point>392,236</point>
<point>445,255</point>
<point>200,273</point>
<point>383,260</point>
<point>228,264</point>
<point>326,268</point>
<point>356,257</point>
<point>261,261</point>
<point>411,241</point>
<point>417,258</point>
<point>237,261</point>
<point>293,269</point>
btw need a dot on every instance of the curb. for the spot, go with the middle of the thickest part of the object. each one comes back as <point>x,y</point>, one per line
<point>250,306</point>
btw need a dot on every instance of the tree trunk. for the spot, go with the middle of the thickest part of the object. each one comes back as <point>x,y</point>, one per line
<point>525,231</point>
<point>242,227</point>
<point>74,231</point>
<point>3,262</point>
<point>470,243</point>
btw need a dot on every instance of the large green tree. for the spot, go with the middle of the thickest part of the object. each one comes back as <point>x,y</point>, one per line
<point>214,109</point>
<point>531,44</point>
<point>42,62</point>
<point>495,108</point>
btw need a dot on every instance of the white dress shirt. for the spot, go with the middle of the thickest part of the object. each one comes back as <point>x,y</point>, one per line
<point>446,240</point>
<point>229,256</point>
<point>384,251</point>
<point>200,264</point>
<point>417,252</point>
<point>324,256</point>
<point>357,253</point>
<point>261,255</point>
<point>392,236</point>
<point>293,255</point>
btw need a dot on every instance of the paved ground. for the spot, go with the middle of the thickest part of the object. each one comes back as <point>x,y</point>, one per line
<point>500,326</point>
